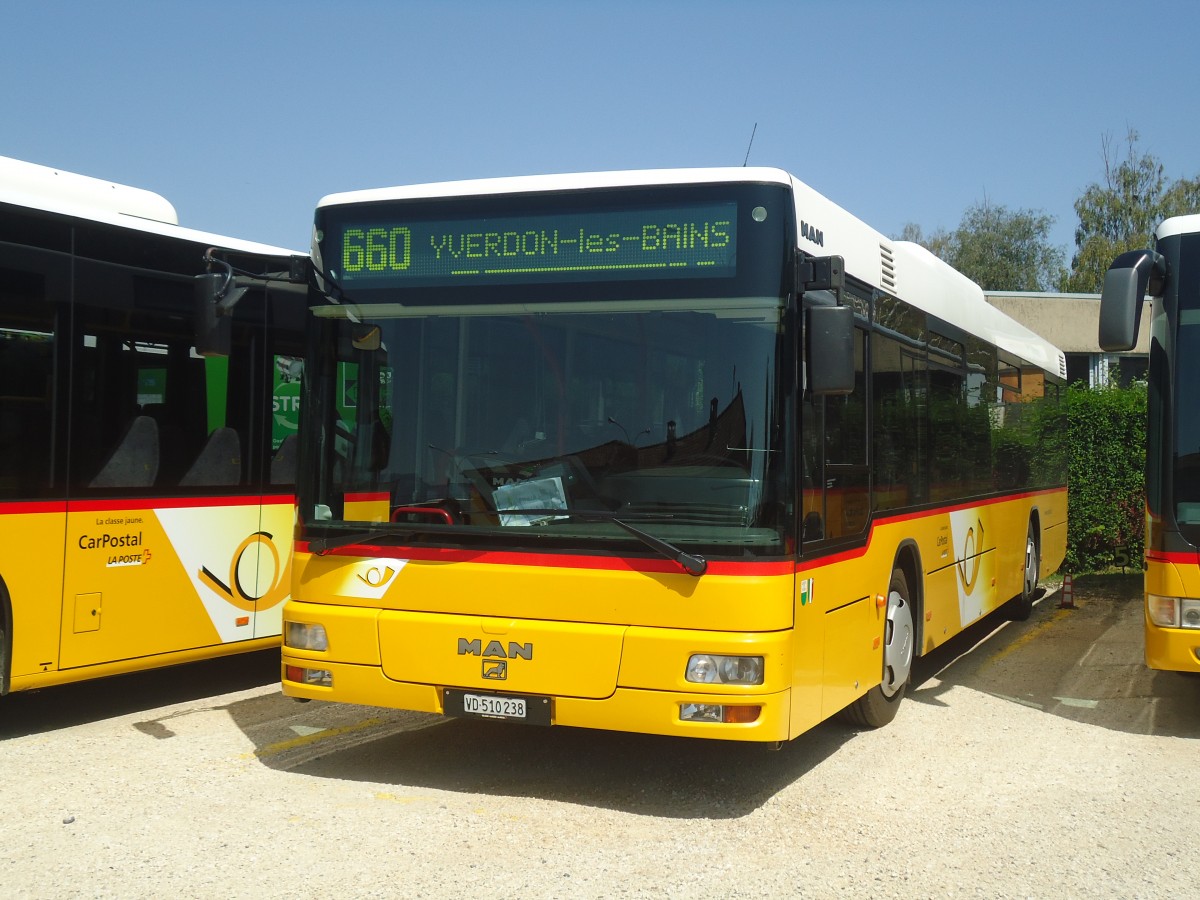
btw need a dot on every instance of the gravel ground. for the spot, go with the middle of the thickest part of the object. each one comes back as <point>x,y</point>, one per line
<point>1039,761</point>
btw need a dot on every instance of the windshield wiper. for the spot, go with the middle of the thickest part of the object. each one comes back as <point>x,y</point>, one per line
<point>691,563</point>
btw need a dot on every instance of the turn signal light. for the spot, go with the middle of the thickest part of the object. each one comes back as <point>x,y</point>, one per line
<point>717,712</point>
<point>300,675</point>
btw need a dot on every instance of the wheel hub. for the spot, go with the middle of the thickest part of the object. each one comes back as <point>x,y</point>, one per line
<point>898,645</point>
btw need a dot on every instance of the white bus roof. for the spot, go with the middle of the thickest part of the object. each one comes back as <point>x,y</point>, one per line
<point>82,197</point>
<point>1178,225</point>
<point>902,269</point>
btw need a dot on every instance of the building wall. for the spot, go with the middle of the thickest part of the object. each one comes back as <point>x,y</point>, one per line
<point>1072,323</point>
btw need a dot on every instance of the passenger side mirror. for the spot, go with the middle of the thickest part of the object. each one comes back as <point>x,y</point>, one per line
<point>829,353</point>
<point>1126,283</point>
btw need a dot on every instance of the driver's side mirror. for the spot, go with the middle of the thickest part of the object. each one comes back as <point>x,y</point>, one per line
<point>213,325</point>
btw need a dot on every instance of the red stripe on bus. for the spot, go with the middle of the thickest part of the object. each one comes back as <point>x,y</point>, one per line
<point>33,506</point>
<point>151,503</point>
<point>1179,557</point>
<point>969,504</point>
<point>716,567</point>
<point>369,497</point>
<point>547,560</point>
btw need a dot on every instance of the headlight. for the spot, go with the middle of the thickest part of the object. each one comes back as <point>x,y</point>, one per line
<point>301,636</point>
<point>706,668</point>
<point>1173,612</point>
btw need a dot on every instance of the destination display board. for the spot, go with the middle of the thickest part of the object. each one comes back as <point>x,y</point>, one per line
<point>373,249</point>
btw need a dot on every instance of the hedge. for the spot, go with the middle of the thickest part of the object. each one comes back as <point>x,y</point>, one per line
<point>1105,446</point>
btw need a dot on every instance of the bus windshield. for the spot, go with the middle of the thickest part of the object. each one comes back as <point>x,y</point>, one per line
<point>1186,476</point>
<point>557,424</point>
<point>571,370</point>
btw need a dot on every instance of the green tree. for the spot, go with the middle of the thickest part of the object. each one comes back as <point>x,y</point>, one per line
<point>937,243</point>
<point>1122,213</point>
<point>998,248</point>
<point>1182,197</point>
<point>1003,250</point>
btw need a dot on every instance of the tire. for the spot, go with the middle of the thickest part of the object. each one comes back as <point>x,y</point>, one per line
<point>4,653</point>
<point>879,705</point>
<point>5,640</point>
<point>1020,607</point>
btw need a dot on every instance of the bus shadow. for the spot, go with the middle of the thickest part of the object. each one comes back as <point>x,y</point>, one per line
<point>635,773</point>
<point>1083,663</point>
<point>63,706</point>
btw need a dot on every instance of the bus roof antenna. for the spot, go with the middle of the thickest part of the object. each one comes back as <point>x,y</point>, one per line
<point>751,144</point>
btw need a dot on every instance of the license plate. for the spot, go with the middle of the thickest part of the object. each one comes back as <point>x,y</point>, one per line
<point>500,707</point>
<point>528,709</point>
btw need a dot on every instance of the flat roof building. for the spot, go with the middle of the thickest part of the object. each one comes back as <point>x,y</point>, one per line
<point>1071,322</point>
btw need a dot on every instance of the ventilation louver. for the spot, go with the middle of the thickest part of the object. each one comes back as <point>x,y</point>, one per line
<point>887,275</point>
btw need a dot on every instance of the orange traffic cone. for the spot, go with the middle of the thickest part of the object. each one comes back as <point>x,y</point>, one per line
<point>1067,601</point>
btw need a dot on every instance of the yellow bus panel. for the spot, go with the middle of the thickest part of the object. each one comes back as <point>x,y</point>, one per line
<point>1172,649</point>
<point>610,647</point>
<point>142,584</point>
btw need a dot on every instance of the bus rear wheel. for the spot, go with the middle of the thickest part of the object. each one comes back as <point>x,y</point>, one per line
<point>5,640</point>
<point>879,705</point>
<point>1020,607</point>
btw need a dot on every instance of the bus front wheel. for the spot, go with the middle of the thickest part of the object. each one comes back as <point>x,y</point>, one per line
<point>878,706</point>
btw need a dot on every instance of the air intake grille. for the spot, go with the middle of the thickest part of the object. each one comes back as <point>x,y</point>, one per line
<point>887,274</point>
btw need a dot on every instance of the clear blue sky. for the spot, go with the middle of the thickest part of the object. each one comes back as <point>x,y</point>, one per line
<point>244,114</point>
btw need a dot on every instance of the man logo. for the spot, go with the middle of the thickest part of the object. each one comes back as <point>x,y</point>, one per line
<point>495,669</point>
<point>495,655</point>
<point>494,649</point>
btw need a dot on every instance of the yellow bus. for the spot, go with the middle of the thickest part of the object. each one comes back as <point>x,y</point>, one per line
<point>146,491</point>
<point>1172,579</point>
<point>682,452</point>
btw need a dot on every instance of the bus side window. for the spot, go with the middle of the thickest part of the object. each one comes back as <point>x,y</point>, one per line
<point>26,374</point>
<point>283,463</point>
<point>847,479</point>
<point>287,375</point>
<point>219,462</point>
<point>898,398</point>
<point>34,290</point>
<point>134,462</point>
<point>139,390</point>
<point>812,475</point>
